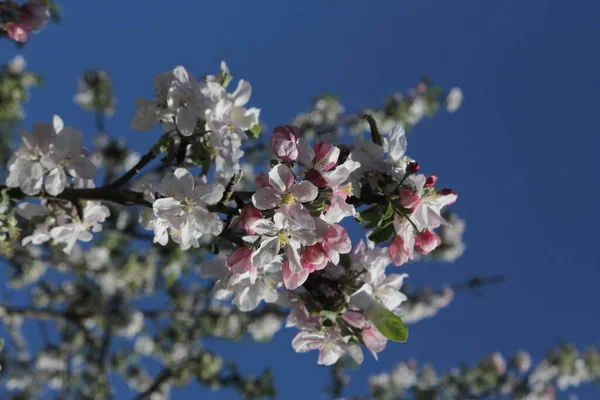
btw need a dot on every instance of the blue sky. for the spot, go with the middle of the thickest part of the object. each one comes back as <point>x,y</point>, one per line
<point>520,152</point>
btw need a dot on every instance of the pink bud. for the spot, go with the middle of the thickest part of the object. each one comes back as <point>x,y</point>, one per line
<point>431,180</point>
<point>427,241</point>
<point>262,180</point>
<point>409,199</point>
<point>355,319</point>
<point>326,156</point>
<point>374,340</point>
<point>314,258</point>
<point>249,216</point>
<point>398,254</point>
<point>412,167</point>
<point>16,32</point>
<point>240,261</point>
<point>316,178</point>
<point>284,142</point>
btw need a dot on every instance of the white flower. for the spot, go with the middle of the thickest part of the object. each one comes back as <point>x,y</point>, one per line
<point>227,109</point>
<point>43,157</point>
<point>378,286</point>
<point>184,101</point>
<point>183,212</point>
<point>93,215</point>
<point>335,180</point>
<point>264,328</point>
<point>249,290</point>
<point>150,112</point>
<point>331,346</point>
<point>283,232</point>
<point>454,99</point>
<point>427,214</point>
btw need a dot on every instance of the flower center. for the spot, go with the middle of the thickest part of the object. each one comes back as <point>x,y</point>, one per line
<point>287,199</point>
<point>283,236</point>
<point>187,205</point>
<point>347,188</point>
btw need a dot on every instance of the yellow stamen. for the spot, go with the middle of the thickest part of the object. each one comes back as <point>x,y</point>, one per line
<point>347,188</point>
<point>283,238</point>
<point>287,199</point>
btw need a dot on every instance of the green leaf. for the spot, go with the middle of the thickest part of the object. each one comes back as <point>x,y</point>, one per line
<point>385,222</point>
<point>380,235</point>
<point>170,281</point>
<point>389,324</point>
<point>389,211</point>
<point>371,214</point>
<point>331,315</point>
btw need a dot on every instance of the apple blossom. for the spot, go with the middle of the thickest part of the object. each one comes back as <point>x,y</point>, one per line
<point>182,213</point>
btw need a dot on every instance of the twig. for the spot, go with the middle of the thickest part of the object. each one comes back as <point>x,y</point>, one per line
<point>163,376</point>
<point>135,170</point>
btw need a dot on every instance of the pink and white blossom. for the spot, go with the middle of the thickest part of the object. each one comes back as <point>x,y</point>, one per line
<point>284,142</point>
<point>288,194</point>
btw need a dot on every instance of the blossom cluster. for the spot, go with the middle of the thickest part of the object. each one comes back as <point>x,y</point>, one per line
<point>295,252</point>
<point>194,107</point>
<point>49,160</point>
<point>288,240</point>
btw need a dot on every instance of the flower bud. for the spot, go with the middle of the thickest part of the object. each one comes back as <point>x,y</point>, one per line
<point>249,216</point>
<point>431,180</point>
<point>427,241</point>
<point>240,261</point>
<point>314,258</point>
<point>355,319</point>
<point>412,167</point>
<point>326,156</point>
<point>284,142</point>
<point>262,180</point>
<point>398,253</point>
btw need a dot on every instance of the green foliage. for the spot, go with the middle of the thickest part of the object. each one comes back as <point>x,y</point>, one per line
<point>389,324</point>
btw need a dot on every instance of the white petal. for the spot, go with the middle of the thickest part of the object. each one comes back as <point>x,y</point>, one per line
<point>57,123</point>
<point>167,208</point>
<point>242,93</point>
<point>82,167</point>
<point>31,178</point>
<point>186,120</point>
<point>266,198</point>
<point>181,74</point>
<point>282,178</point>
<point>209,193</point>
<point>267,251</point>
<point>361,299</point>
<point>146,115</point>
<point>304,191</point>
<point>56,181</point>
<point>263,227</point>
